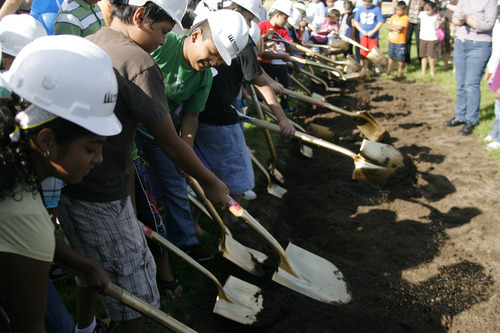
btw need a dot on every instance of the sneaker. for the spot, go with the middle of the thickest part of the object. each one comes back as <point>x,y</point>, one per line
<point>249,195</point>
<point>453,122</point>
<point>197,253</point>
<point>488,138</point>
<point>57,273</point>
<point>467,129</point>
<point>377,71</point>
<point>493,145</point>
<point>105,325</point>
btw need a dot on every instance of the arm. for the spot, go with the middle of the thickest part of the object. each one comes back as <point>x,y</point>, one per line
<point>374,30</point>
<point>96,277</point>
<point>185,158</point>
<point>286,127</point>
<point>10,7</point>
<point>394,27</point>
<point>189,127</point>
<point>488,20</point>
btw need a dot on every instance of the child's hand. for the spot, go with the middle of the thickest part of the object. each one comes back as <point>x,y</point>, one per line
<point>286,128</point>
<point>216,192</point>
<point>269,33</point>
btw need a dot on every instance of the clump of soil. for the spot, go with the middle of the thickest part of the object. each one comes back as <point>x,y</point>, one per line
<point>418,255</point>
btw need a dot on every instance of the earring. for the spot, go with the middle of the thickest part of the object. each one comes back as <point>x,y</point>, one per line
<point>47,153</point>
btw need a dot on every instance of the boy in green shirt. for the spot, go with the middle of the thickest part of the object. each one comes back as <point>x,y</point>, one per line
<point>184,61</point>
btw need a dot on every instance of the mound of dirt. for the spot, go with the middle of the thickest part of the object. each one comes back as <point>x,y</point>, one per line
<point>418,255</point>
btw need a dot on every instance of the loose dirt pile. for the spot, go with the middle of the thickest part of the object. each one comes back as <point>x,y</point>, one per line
<point>420,255</point>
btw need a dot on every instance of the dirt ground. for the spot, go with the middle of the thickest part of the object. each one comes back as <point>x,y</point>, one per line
<point>419,255</point>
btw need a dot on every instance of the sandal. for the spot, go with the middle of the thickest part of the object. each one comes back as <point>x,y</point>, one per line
<point>170,285</point>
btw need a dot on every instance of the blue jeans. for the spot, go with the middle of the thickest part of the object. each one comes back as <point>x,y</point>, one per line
<point>173,188</point>
<point>57,317</point>
<point>495,131</point>
<point>470,60</point>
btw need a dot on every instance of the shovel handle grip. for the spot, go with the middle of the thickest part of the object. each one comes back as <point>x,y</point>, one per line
<point>351,41</point>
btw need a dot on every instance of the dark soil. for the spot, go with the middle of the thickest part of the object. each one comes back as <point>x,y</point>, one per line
<point>418,255</point>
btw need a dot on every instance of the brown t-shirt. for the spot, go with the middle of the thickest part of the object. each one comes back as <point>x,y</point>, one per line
<point>141,99</point>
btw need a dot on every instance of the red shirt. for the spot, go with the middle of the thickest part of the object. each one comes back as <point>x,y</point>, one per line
<point>278,47</point>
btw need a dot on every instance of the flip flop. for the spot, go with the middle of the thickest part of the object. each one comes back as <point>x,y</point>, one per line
<point>170,285</point>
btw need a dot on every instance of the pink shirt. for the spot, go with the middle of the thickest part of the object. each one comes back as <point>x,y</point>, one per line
<point>321,37</point>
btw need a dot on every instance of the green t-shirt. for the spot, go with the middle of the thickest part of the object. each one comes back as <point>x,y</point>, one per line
<point>183,84</point>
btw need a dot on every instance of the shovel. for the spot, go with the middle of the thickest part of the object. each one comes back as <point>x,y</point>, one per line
<point>364,120</point>
<point>337,72</point>
<point>317,79</point>
<point>304,150</point>
<point>300,84</point>
<point>374,54</point>
<point>301,48</point>
<point>272,168</point>
<point>245,257</point>
<point>237,300</point>
<point>138,304</point>
<point>376,162</point>
<point>300,270</point>
<point>272,188</point>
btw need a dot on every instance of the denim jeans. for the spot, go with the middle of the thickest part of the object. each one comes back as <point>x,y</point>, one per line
<point>173,188</point>
<point>495,131</point>
<point>57,317</point>
<point>470,60</point>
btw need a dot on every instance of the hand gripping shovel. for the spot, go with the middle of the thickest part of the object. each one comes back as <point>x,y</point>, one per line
<point>237,300</point>
<point>138,304</point>
<point>304,150</point>
<point>366,123</point>
<point>272,168</point>
<point>376,162</point>
<point>300,270</point>
<point>245,257</point>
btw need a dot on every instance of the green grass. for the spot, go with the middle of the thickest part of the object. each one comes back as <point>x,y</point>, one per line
<point>193,281</point>
<point>446,80</point>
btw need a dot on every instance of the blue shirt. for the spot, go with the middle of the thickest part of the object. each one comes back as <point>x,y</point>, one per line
<point>369,18</point>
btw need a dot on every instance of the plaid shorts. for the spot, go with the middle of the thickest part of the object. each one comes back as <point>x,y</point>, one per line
<point>109,234</point>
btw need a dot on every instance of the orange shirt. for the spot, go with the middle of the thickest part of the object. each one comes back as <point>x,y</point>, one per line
<point>398,37</point>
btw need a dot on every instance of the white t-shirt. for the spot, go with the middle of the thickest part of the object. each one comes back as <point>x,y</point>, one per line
<point>428,27</point>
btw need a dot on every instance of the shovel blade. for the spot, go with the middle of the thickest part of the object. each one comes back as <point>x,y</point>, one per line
<point>366,171</point>
<point>306,151</point>
<point>247,258</point>
<point>370,127</point>
<point>276,190</point>
<point>382,154</point>
<point>377,56</point>
<point>319,278</point>
<point>244,301</point>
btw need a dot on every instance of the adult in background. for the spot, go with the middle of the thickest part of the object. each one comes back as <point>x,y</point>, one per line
<point>475,20</point>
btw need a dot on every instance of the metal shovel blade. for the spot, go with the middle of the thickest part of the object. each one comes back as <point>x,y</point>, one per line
<point>319,278</point>
<point>237,300</point>
<point>377,56</point>
<point>272,188</point>
<point>299,269</point>
<point>382,154</point>
<point>247,296</point>
<point>247,258</point>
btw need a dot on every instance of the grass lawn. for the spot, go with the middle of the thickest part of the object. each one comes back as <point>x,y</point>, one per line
<point>192,280</point>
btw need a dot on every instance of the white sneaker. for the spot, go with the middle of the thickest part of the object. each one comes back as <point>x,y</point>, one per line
<point>249,195</point>
<point>493,145</point>
<point>488,138</point>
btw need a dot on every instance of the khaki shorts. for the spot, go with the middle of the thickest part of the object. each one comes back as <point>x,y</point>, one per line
<point>427,48</point>
<point>110,234</point>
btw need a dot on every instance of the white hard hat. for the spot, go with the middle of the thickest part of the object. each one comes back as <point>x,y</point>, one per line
<point>17,31</point>
<point>254,33</point>
<point>284,6</point>
<point>229,32</point>
<point>175,8</point>
<point>295,19</point>
<point>253,6</point>
<point>70,77</point>
<point>300,6</point>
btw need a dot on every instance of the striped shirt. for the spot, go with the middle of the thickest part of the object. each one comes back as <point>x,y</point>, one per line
<point>77,17</point>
